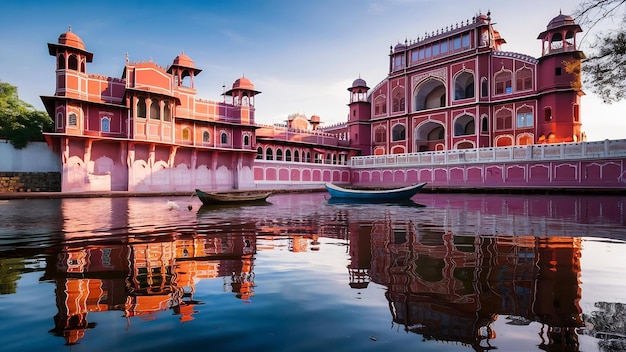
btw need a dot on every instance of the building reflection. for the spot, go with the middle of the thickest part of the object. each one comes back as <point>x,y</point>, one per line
<point>449,277</point>
<point>452,288</point>
<point>144,278</point>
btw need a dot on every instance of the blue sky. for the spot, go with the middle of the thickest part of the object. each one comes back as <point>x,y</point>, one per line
<point>302,55</point>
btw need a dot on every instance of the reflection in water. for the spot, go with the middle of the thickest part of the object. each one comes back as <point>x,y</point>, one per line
<point>452,288</point>
<point>450,266</point>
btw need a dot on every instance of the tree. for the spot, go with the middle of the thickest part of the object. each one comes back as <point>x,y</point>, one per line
<point>20,122</point>
<point>605,67</point>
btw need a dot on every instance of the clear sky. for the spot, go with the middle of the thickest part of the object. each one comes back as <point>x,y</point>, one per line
<point>301,54</point>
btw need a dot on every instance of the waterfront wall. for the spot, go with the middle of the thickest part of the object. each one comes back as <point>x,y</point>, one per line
<point>584,165</point>
<point>271,174</point>
<point>34,168</point>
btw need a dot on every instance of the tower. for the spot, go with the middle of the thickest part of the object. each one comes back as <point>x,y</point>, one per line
<point>71,81</point>
<point>359,127</point>
<point>71,67</point>
<point>558,82</point>
<point>242,93</point>
<point>181,68</point>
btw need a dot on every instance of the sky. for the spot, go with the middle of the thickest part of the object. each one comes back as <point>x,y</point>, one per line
<point>301,54</point>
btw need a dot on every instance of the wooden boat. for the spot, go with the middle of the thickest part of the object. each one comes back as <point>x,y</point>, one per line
<point>386,195</point>
<point>211,198</point>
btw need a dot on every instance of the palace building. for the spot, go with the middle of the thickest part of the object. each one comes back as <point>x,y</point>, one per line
<point>455,88</point>
<point>452,89</point>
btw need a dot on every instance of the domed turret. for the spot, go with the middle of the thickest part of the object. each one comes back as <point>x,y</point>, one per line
<point>561,20</point>
<point>399,47</point>
<point>184,61</point>
<point>181,68</point>
<point>560,35</point>
<point>243,83</point>
<point>72,40</point>
<point>359,82</point>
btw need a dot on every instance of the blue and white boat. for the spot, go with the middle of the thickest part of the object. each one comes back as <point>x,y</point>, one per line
<point>386,195</point>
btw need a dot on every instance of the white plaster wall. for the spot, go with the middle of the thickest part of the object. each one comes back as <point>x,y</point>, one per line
<point>36,157</point>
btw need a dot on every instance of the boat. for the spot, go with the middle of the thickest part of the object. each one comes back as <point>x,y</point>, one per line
<point>230,197</point>
<point>384,195</point>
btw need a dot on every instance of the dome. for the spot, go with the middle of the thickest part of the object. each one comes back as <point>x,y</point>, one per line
<point>183,60</point>
<point>359,82</point>
<point>315,119</point>
<point>70,39</point>
<point>561,20</point>
<point>399,47</point>
<point>243,83</point>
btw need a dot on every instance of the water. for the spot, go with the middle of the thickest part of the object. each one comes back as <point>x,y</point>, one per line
<point>449,272</point>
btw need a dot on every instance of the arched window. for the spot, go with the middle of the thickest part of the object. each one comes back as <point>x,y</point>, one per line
<point>141,107</point>
<point>287,155</point>
<point>186,135</point>
<point>398,99</point>
<point>167,113</point>
<point>502,81</point>
<point>525,117</point>
<point>82,66</point>
<point>504,119</point>
<point>72,63</point>
<point>61,62</point>
<point>259,153</point>
<point>246,140</point>
<point>279,154</point>
<point>380,134</point>
<point>72,120</point>
<point>269,154</point>
<point>398,132</point>
<point>296,156</point>
<point>206,137</point>
<point>556,42</point>
<point>224,138</point>
<point>105,124</point>
<point>464,86</point>
<point>380,105</point>
<point>524,79</point>
<point>484,125</point>
<point>484,87</point>
<point>59,120</point>
<point>464,125</point>
<point>547,113</point>
<point>308,157</point>
<point>430,94</point>
<point>155,111</point>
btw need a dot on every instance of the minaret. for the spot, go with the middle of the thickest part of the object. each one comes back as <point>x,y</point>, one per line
<point>558,117</point>
<point>359,127</point>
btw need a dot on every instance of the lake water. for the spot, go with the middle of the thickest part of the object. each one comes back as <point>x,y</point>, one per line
<point>449,272</point>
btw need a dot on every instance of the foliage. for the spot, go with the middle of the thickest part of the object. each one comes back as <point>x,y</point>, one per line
<point>605,67</point>
<point>19,121</point>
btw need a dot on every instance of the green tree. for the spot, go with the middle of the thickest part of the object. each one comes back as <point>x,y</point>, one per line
<point>605,67</point>
<point>20,122</point>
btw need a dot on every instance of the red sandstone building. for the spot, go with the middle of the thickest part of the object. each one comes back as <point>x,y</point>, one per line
<point>452,89</point>
<point>455,88</point>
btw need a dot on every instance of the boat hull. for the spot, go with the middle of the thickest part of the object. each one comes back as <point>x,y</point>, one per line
<point>234,197</point>
<point>391,195</point>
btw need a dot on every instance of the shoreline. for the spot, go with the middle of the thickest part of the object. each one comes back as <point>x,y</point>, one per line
<point>473,190</point>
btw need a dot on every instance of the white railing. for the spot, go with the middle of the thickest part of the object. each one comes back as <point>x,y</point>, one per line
<point>535,152</point>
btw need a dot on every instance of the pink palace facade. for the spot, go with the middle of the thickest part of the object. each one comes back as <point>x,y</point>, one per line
<point>455,111</point>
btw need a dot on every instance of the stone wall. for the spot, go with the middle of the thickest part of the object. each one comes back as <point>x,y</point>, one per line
<point>30,182</point>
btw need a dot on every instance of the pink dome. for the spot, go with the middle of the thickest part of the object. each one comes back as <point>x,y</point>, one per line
<point>184,60</point>
<point>243,83</point>
<point>70,39</point>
